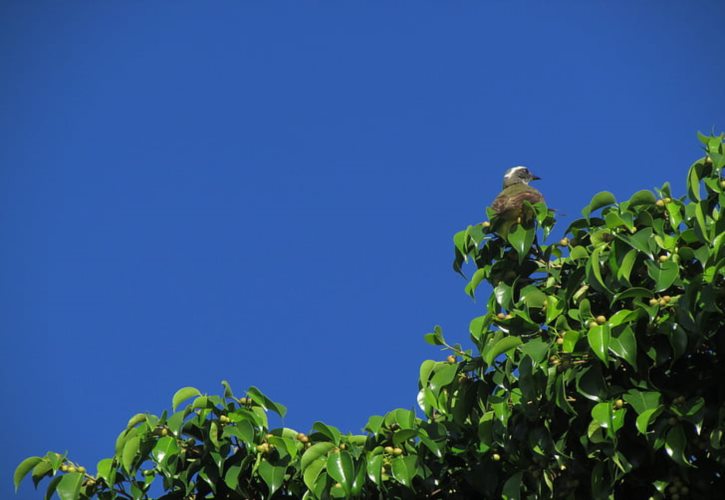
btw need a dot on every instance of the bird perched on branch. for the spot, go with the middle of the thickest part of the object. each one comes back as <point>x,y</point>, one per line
<point>508,207</point>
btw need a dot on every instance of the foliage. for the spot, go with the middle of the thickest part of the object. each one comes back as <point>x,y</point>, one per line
<point>596,371</point>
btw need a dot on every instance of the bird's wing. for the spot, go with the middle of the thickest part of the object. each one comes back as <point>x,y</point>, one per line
<point>511,199</point>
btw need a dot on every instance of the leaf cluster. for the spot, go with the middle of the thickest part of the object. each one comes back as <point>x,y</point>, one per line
<point>596,370</point>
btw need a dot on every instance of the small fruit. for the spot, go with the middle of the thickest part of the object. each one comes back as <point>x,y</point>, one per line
<point>71,468</point>
<point>653,301</point>
<point>244,401</point>
<point>662,302</point>
<point>660,203</point>
<point>343,446</point>
<point>592,323</point>
<point>601,319</point>
<point>64,468</point>
<point>564,242</point>
<point>81,469</point>
<point>722,184</point>
<point>560,341</point>
<point>486,224</point>
<point>224,419</point>
<point>667,200</point>
<point>663,258</point>
<point>501,316</point>
<point>667,299</point>
<point>451,359</point>
<point>496,457</point>
<point>509,316</point>
<point>397,451</point>
<point>164,431</point>
<point>389,450</point>
<point>618,404</point>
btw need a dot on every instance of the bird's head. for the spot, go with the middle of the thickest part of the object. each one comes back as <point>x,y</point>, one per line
<point>518,175</point>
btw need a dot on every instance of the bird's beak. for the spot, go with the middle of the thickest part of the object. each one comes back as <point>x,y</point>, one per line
<point>535,178</point>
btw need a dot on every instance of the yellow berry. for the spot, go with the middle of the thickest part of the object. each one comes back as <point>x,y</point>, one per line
<point>618,404</point>
<point>564,242</point>
<point>486,224</point>
<point>653,301</point>
<point>660,203</point>
<point>397,451</point>
<point>667,298</point>
<point>495,457</point>
<point>559,341</point>
<point>451,359</point>
<point>501,316</point>
<point>601,319</point>
<point>663,258</point>
<point>667,200</point>
<point>389,450</point>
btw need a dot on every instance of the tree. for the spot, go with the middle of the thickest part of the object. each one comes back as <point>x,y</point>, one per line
<point>596,370</point>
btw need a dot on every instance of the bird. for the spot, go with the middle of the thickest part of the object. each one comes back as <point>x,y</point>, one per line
<point>508,206</point>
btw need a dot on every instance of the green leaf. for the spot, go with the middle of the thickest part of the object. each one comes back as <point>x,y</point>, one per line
<point>646,418</point>
<point>52,485</point>
<point>599,339</point>
<point>312,472</point>
<point>258,397</point>
<point>625,269</point>
<point>129,453</point>
<point>500,347</point>
<point>599,200</point>
<point>521,240</point>
<point>644,197</point>
<point>533,297</point>
<point>676,444</point>
<point>332,433</point>
<point>69,487</point>
<point>272,475</point>
<point>106,470</point>
<point>23,469</point>
<point>664,274</point>
<point>227,390</point>
<point>512,487</point>
<point>625,346</point>
<point>42,469</point>
<point>165,448</point>
<point>375,465</point>
<point>476,279</point>
<point>443,376</point>
<point>314,452</point>
<point>182,395</point>
<point>642,401</point>
<point>404,469</point>
<point>341,468</point>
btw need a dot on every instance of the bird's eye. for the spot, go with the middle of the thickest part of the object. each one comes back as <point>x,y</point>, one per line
<point>525,171</point>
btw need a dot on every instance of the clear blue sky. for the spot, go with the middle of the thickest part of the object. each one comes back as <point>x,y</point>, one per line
<point>198,191</point>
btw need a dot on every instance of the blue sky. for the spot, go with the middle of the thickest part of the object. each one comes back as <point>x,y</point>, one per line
<point>194,191</point>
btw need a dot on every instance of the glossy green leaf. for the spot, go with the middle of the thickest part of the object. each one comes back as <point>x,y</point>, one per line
<point>642,401</point>
<point>130,449</point>
<point>599,340</point>
<point>314,452</point>
<point>676,444</point>
<point>69,487</point>
<point>165,448</point>
<point>646,418</point>
<point>644,197</point>
<point>341,468</point>
<point>312,472</point>
<point>502,346</point>
<point>599,200</point>
<point>443,376</point>
<point>374,467</point>
<point>664,274</point>
<point>23,469</point>
<point>625,346</point>
<point>262,400</point>
<point>512,487</point>
<point>272,475</point>
<point>521,240</point>
<point>182,395</point>
<point>476,279</point>
<point>404,469</point>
